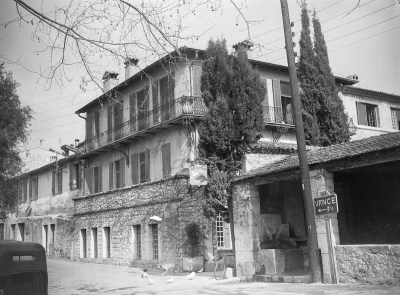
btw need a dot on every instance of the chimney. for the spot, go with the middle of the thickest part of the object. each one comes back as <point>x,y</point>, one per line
<point>110,80</point>
<point>76,142</point>
<point>130,67</point>
<point>244,45</point>
<point>353,77</point>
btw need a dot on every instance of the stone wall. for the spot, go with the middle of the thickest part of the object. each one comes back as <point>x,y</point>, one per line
<point>368,264</point>
<point>247,222</point>
<point>122,209</point>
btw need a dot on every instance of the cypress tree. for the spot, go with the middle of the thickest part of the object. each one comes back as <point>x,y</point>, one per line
<point>306,73</point>
<point>331,116</point>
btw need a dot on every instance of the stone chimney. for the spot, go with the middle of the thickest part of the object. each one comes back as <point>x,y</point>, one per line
<point>246,45</point>
<point>353,77</point>
<point>130,67</point>
<point>110,80</point>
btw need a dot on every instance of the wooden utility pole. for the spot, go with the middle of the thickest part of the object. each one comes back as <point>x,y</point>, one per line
<point>312,242</point>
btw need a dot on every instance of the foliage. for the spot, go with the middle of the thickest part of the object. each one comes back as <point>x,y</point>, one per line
<point>14,122</point>
<point>325,122</point>
<point>194,238</point>
<point>233,93</point>
<point>332,118</point>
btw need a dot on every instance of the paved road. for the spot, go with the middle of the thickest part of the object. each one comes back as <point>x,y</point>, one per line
<point>68,278</point>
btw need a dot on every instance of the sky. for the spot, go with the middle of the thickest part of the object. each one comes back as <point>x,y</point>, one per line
<point>363,40</point>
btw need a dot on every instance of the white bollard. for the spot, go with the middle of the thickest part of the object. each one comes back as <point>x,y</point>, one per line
<point>229,273</point>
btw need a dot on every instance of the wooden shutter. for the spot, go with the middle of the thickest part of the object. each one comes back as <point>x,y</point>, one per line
<point>362,113</point>
<point>53,182</point>
<point>96,123</point>
<point>110,175</point>
<point>109,124</point>
<point>30,188</point>
<point>166,160</point>
<point>276,85</point>
<point>89,124</point>
<point>132,111</point>
<point>156,111</point>
<point>71,177</point>
<point>196,80</point>
<point>378,123</point>
<point>37,187</point>
<point>134,169</point>
<point>89,179</point>
<point>122,172</point>
<point>171,86</point>
<point>100,178</point>
<point>264,82</point>
<point>147,165</point>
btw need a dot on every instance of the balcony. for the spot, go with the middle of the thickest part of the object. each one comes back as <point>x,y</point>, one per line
<point>276,116</point>
<point>147,122</point>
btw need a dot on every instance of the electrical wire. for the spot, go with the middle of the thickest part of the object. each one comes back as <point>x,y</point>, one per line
<point>54,99</point>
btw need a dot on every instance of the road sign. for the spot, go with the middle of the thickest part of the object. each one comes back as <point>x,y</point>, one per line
<point>326,205</point>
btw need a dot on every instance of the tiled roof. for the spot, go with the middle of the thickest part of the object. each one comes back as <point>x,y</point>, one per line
<point>331,153</point>
<point>267,147</point>
<point>370,93</point>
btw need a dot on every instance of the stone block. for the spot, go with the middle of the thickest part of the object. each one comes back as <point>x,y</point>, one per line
<point>269,225</point>
<point>273,260</point>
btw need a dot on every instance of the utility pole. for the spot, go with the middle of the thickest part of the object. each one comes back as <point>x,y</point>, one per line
<point>312,242</point>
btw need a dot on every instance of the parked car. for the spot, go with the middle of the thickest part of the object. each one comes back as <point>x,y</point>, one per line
<point>23,268</point>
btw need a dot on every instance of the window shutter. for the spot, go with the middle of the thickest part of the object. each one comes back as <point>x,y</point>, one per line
<point>378,123</point>
<point>100,178</point>
<point>30,188</point>
<point>37,187</point>
<point>53,182</point>
<point>171,86</point>
<point>122,171</point>
<point>156,105</point>
<point>166,160</point>
<point>71,177</point>
<point>97,123</point>
<point>362,113</point>
<point>134,169</point>
<point>196,80</point>
<point>132,111</point>
<point>264,82</point>
<point>276,85</point>
<point>89,126</point>
<point>109,124</point>
<point>89,179</point>
<point>147,165</point>
<point>110,175</point>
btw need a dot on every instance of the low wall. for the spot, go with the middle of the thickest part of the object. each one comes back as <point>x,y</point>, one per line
<point>368,264</point>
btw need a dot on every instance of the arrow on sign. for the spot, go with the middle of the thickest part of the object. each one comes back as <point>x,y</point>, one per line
<point>322,210</point>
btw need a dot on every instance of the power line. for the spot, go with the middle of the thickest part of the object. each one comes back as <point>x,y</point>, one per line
<point>70,95</point>
<point>363,29</point>
<point>273,30</point>
<point>324,21</point>
<point>63,107</point>
<point>74,123</point>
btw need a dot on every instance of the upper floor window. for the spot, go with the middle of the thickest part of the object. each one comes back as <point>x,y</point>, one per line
<point>140,164</point>
<point>97,179</point>
<point>22,192</point>
<point>74,177</point>
<point>33,188</point>
<point>367,114</point>
<point>395,115</point>
<point>116,174</point>
<point>57,181</point>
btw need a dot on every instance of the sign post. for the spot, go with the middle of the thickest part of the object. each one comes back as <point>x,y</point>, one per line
<point>324,205</point>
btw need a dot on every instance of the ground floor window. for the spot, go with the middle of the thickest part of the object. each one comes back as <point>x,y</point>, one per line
<point>223,231</point>
<point>94,243</point>
<point>154,232</point>
<point>83,253</point>
<point>106,242</point>
<point>137,241</point>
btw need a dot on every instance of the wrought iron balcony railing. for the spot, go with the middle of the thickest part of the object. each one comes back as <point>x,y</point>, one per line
<point>185,105</point>
<point>276,115</point>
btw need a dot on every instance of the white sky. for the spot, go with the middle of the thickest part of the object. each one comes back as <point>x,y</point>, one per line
<point>365,42</point>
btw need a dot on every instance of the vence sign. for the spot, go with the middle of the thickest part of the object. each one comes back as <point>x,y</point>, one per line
<point>326,204</point>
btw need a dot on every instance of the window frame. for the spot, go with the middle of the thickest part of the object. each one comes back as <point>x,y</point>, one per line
<point>364,113</point>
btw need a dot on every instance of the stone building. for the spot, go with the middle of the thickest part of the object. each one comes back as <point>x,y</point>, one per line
<point>45,207</point>
<point>365,232</point>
